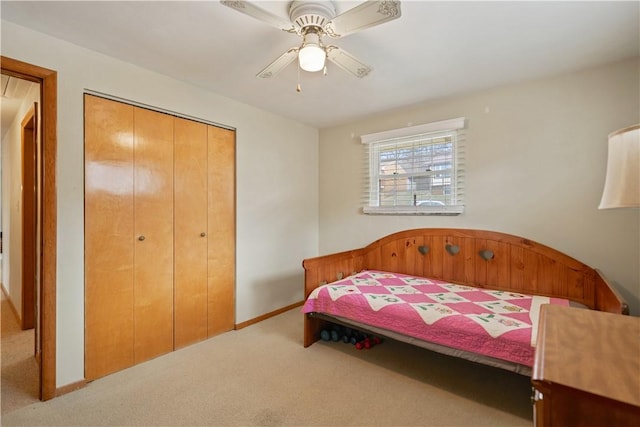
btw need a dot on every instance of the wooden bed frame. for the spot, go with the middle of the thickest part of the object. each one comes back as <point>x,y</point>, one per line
<point>469,257</point>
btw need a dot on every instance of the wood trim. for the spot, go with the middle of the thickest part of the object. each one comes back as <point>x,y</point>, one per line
<point>268,315</point>
<point>48,100</point>
<point>29,215</point>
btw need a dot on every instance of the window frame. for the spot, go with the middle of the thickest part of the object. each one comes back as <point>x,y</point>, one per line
<point>375,142</point>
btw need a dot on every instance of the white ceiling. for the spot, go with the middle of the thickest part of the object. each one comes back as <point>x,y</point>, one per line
<point>435,49</point>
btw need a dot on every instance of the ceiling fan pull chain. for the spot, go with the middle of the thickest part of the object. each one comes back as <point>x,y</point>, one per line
<point>298,88</point>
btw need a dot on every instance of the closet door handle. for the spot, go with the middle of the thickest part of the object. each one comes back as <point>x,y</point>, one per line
<point>141,238</point>
<point>203,234</point>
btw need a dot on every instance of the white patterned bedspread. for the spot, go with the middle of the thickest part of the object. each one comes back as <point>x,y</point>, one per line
<point>499,324</point>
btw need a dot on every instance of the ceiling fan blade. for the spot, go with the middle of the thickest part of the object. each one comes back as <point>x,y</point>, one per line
<point>249,8</point>
<point>347,62</point>
<point>281,62</point>
<point>366,15</point>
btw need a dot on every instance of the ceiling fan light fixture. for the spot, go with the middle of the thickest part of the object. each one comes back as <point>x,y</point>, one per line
<point>311,58</point>
<point>312,54</point>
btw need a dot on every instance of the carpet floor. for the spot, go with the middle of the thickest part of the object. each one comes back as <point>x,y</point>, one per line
<point>20,383</point>
<point>263,376</point>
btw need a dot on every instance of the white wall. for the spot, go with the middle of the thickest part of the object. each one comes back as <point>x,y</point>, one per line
<point>12,202</point>
<point>277,196</point>
<point>536,161</point>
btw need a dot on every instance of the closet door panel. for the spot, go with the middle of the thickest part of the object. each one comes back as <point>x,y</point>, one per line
<point>190,232</point>
<point>221,253</point>
<point>153,213</point>
<point>108,236</point>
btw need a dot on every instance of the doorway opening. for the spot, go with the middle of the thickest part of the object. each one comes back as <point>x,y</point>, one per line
<point>20,213</point>
<point>44,242</point>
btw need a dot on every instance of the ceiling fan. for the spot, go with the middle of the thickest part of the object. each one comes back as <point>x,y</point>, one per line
<point>314,19</point>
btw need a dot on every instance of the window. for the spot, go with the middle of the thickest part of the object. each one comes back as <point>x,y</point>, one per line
<point>417,170</point>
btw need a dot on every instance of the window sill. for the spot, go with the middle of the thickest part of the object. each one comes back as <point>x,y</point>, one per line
<point>413,210</point>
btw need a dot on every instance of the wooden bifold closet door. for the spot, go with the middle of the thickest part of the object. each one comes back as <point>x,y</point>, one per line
<point>153,225</point>
<point>159,234</point>
<point>108,237</point>
<point>190,232</point>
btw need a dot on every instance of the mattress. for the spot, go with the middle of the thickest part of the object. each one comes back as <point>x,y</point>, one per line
<point>496,324</point>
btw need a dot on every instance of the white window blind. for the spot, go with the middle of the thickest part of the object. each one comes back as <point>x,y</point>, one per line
<point>417,170</point>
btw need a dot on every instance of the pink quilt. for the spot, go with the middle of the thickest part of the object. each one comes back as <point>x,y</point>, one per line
<point>499,324</point>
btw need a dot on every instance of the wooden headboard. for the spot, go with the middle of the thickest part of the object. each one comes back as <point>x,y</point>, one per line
<point>476,258</point>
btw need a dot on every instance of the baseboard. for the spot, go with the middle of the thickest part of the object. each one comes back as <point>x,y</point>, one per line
<point>70,387</point>
<point>268,315</point>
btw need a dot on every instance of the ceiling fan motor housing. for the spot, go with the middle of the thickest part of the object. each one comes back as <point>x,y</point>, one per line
<point>306,14</point>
